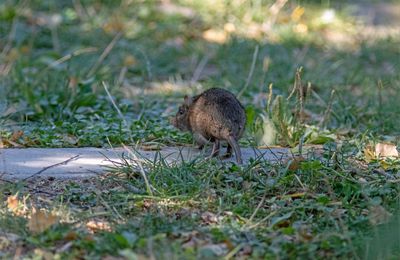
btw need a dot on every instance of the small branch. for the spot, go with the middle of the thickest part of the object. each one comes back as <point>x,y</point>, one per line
<point>199,69</point>
<point>328,110</point>
<point>105,53</point>
<point>52,166</point>
<point>114,104</point>
<point>257,208</point>
<point>249,77</point>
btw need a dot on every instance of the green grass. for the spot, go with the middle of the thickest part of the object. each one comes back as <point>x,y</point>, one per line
<point>52,89</point>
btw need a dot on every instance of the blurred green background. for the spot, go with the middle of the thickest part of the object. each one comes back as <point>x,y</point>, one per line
<point>306,71</point>
<point>56,55</point>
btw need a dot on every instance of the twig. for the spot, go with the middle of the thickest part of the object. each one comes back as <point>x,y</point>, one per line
<point>270,215</point>
<point>297,82</point>
<point>105,53</point>
<point>66,58</point>
<point>199,69</point>
<point>52,166</point>
<point>328,110</point>
<point>253,65</point>
<point>114,104</point>
<point>257,208</point>
<point>233,252</point>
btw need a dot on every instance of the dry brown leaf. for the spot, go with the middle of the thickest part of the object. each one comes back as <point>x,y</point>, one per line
<point>71,236</point>
<point>295,162</point>
<point>386,150</point>
<point>209,218</point>
<point>96,225</point>
<point>380,150</point>
<point>16,135</point>
<point>41,221</point>
<point>12,203</point>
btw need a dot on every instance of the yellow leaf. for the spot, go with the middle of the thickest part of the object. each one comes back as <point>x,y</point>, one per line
<point>41,221</point>
<point>129,61</point>
<point>386,150</point>
<point>385,165</point>
<point>297,13</point>
<point>369,153</point>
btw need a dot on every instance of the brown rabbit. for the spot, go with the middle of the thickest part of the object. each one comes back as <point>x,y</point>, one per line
<point>212,116</point>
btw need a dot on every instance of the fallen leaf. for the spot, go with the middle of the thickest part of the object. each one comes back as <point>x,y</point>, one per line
<point>209,218</point>
<point>386,150</point>
<point>294,162</point>
<point>97,225</point>
<point>16,135</point>
<point>369,153</point>
<point>297,13</point>
<point>41,221</point>
<point>380,150</point>
<point>12,203</point>
<point>71,236</point>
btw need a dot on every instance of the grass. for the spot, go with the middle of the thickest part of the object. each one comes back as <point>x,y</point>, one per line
<point>333,202</point>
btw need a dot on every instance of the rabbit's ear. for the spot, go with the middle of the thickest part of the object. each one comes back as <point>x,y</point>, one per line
<point>188,100</point>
